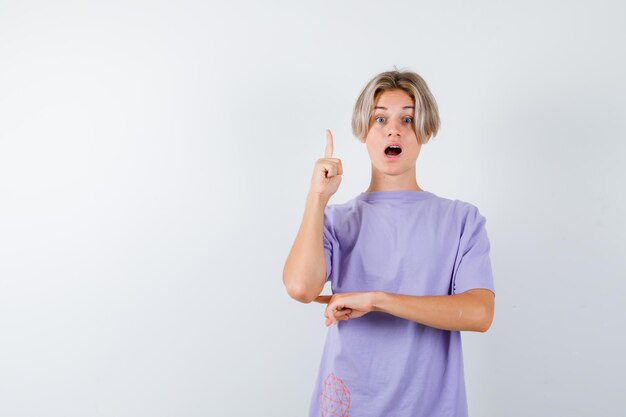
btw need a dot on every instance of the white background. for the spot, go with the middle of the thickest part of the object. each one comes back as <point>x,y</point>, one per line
<point>155,158</point>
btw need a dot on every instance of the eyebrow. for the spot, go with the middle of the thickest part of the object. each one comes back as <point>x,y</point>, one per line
<point>385,108</point>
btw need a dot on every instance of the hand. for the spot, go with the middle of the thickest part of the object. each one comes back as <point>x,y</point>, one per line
<point>327,171</point>
<point>344,306</point>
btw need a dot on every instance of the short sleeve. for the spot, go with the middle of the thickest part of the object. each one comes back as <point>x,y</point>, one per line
<point>329,241</point>
<point>473,264</point>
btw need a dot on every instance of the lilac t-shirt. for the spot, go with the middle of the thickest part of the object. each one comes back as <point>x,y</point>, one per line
<point>405,242</point>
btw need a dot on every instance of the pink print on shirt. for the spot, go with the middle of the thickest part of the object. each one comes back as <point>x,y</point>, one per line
<point>335,397</point>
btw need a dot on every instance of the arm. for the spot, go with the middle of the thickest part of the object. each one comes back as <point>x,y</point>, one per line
<point>472,310</point>
<point>304,273</point>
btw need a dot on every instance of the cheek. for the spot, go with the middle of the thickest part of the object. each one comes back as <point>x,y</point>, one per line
<point>374,153</point>
<point>374,149</point>
<point>414,150</point>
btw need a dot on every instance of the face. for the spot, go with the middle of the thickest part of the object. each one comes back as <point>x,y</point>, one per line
<point>391,123</point>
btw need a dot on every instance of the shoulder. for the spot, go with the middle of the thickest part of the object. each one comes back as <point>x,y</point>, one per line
<point>459,214</point>
<point>467,209</point>
<point>468,217</point>
<point>334,215</point>
<point>341,209</point>
<point>454,208</point>
<point>460,207</point>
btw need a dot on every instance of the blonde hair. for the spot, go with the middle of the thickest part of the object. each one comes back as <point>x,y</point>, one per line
<point>426,121</point>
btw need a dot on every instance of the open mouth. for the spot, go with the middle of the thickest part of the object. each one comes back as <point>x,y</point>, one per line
<point>393,150</point>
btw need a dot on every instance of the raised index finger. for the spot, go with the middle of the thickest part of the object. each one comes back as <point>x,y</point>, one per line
<point>328,153</point>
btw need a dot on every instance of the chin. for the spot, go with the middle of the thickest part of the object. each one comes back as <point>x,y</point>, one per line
<point>390,170</point>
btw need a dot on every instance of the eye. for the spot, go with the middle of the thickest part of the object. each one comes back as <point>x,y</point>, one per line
<point>408,119</point>
<point>380,119</point>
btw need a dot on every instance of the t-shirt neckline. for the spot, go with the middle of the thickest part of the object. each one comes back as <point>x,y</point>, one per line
<point>404,195</point>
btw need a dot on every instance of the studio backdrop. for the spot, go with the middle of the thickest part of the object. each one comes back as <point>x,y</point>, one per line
<point>154,164</point>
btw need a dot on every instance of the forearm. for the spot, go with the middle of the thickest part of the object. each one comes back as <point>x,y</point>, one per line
<point>305,269</point>
<point>464,311</point>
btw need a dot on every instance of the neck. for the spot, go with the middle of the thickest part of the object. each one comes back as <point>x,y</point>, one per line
<point>388,182</point>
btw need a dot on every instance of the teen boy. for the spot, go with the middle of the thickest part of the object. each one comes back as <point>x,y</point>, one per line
<point>409,269</point>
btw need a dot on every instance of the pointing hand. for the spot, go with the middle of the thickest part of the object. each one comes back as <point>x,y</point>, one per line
<point>327,171</point>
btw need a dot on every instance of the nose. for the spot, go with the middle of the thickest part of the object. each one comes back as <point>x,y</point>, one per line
<point>393,130</point>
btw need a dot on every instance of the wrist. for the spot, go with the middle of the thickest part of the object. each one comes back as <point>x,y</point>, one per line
<point>379,299</point>
<point>317,199</point>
